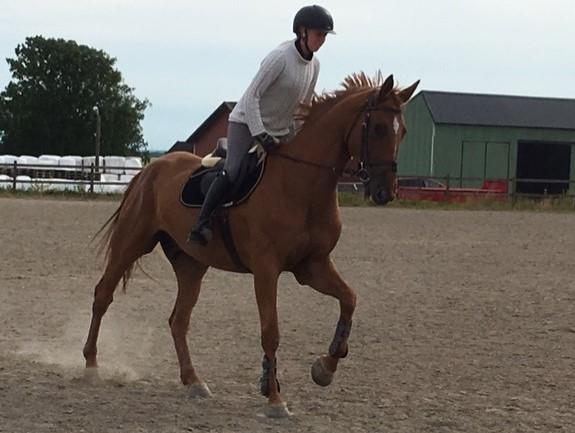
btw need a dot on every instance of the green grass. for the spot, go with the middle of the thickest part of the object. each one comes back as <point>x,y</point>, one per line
<point>555,204</point>
<point>348,199</point>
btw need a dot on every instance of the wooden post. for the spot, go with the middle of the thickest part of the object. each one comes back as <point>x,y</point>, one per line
<point>14,173</point>
<point>92,178</point>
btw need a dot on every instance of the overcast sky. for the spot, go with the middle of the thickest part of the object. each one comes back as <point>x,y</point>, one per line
<point>187,56</point>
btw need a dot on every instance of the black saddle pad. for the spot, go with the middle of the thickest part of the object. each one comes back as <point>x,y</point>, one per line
<point>197,185</point>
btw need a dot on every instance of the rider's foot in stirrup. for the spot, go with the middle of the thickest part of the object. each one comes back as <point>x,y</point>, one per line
<point>200,235</point>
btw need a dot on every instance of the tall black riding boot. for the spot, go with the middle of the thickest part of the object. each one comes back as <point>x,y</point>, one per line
<point>202,232</point>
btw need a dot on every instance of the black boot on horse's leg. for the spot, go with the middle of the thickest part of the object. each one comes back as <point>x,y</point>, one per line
<point>202,232</point>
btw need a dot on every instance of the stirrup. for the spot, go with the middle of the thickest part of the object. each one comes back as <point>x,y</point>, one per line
<point>200,235</point>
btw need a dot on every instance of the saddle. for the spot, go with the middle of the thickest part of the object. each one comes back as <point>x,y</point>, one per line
<point>198,184</point>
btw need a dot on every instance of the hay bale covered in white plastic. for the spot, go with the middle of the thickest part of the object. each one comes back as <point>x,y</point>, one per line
<point>70,163</point>
<point>5,181</point>
<point>8,159</point>
<point>23,183</point>
<point>50,159</point>
<point>115,164</point>
<point>27,160</point>
<point>133,165</point>
<point>89,160</point>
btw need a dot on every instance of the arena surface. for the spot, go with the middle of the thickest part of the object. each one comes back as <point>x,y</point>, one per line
<point>465,323</point>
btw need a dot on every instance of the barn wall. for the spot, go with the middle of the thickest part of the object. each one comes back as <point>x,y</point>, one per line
<point>208,139</point>
<point>415,150</point>
<point>486,152</point>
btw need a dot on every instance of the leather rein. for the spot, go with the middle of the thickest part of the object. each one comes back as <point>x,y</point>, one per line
<point>362,172</point>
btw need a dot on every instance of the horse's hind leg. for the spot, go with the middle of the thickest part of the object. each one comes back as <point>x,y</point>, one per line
<point>122,255</point>
<point>189,274</point>
<point>323,277</point>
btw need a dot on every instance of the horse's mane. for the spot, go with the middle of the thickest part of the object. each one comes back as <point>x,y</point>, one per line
<point>352,84</point>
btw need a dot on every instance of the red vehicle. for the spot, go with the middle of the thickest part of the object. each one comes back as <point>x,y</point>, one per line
<point>421,188</point>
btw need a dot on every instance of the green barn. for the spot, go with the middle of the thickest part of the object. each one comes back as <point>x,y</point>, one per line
<point>469,138</point>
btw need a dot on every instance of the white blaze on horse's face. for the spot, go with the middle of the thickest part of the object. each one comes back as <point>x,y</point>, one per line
<point>396,125</point>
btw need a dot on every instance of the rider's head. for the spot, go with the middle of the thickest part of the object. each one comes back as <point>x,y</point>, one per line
<point>311,24</point>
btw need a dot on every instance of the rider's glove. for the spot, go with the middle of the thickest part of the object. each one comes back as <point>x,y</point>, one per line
<point>268,142</point>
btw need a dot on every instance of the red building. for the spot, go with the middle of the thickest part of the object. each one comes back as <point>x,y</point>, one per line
<point>203,140</point>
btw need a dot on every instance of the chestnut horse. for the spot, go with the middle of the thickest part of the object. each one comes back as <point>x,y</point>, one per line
<point>289,223</point>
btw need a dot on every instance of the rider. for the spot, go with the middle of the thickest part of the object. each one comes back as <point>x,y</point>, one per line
<point>286,78</point>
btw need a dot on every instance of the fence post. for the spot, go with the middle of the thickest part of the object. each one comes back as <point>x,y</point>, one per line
<point>92,178</point>
<point>14,173</point>
<point>447,181</point>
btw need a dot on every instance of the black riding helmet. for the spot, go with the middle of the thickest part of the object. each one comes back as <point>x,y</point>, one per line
<point>313,17</point>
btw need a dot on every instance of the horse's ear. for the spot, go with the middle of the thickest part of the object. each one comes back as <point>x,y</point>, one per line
<point>386,87</point>
<point>406,93</point>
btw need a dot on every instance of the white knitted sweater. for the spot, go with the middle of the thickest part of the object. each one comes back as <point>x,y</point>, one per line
<point>285,79</point>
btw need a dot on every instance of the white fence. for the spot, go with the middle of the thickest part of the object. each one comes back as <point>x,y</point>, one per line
<point>68,173</point>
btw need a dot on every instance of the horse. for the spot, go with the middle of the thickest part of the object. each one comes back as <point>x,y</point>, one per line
<point>290,223</point>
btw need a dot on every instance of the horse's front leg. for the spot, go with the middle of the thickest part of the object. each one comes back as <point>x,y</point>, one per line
<point>265,283</point>
<point>323,277</point>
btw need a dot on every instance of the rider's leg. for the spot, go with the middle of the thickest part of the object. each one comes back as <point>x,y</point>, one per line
<point>239,142</point>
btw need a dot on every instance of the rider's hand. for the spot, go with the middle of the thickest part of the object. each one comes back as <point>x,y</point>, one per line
<point>268,142</point>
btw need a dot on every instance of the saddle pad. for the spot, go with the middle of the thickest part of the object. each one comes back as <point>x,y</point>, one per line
<point>197,185</point>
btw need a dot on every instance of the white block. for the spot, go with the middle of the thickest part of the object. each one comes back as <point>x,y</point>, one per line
<point>115,164</point>
<point>27,160</point>
<point>8,159</point>
<point>68,163</point>
<point>22,183</point>
<point>5,181</point>
<point>133,164</point>
<point>89,160</point>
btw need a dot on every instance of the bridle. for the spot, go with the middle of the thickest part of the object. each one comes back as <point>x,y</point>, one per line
<point>362,172</point>
<point>364,165</point>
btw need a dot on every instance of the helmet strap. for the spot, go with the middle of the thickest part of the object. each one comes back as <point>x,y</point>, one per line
<point>302,42</point>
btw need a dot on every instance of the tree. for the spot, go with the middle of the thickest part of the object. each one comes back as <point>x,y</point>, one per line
<point>48,106</point>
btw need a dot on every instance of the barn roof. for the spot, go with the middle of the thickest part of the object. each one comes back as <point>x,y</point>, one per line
<point>225,107</point>
<point>181,146</point>
<point>500,110</point>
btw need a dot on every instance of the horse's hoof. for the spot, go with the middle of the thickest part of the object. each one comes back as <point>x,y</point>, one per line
<point>91,375</point>
<point>277,410</point>
<point>199,390</point>
<point>321,375</point>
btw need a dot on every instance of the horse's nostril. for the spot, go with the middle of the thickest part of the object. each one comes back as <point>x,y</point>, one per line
<point>382,197</point>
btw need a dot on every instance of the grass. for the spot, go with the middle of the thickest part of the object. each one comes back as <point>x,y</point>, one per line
<point>554,204</point>
<point>350,199</point>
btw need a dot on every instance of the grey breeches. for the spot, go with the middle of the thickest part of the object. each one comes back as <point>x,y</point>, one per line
<point>239,142</point>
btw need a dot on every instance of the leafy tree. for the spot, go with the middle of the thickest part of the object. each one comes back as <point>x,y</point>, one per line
<point>48,106</point>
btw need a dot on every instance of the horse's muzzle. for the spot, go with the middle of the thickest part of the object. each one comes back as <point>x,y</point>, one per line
<point>381,197</point>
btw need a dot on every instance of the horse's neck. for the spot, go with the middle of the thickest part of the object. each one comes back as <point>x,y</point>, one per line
<point>322,142</point>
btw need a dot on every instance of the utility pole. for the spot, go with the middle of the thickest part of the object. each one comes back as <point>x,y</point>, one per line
<point>98,135</point>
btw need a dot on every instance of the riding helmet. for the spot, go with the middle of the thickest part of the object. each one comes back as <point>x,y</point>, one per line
<point>313,17</point>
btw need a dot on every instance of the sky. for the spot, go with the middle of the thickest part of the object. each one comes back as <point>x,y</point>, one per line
<point>188,56</point>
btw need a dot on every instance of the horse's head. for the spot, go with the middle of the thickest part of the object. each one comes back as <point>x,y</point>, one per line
<point>374,136</point>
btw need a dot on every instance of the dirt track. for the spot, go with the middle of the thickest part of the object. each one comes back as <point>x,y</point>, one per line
<point>465,323</point>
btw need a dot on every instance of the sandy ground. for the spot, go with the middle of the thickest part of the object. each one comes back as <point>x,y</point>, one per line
<point>465,323</point>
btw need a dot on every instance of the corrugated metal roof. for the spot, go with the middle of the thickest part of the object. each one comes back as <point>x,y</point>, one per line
<point>500,110</point>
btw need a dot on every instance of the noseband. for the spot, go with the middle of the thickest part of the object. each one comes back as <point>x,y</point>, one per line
<point>362,171</point>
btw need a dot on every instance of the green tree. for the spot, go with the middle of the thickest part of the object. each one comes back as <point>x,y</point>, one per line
<point>48,106</point>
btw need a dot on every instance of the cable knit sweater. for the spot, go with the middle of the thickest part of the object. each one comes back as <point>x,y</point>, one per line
<point>285,79</point>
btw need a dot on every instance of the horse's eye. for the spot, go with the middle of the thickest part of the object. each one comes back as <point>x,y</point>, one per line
<point>379,130</point>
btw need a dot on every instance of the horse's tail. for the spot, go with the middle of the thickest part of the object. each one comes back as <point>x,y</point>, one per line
<point>104,244</point>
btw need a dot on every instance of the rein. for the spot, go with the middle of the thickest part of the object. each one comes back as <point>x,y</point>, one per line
<point>303,161</point>
<point>362,171</point>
